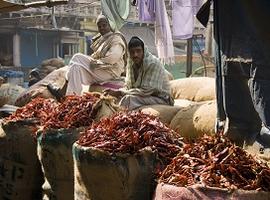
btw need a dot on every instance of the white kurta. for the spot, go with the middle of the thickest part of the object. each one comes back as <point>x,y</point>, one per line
<point>85,70</point>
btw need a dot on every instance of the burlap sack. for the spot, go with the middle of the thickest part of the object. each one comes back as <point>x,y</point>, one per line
<point>105,107</point>
<point>45,70</point>
<point>195,120</point>
<point>39,89</point>
<point>54,62</point>
<point>100,175</point>
<point>49,65</point>
<point>198,192</point>
<point>193,89</point>
<point>183,102</point>
<point>21,176</point>
<point>164,112</point>
<point>55,155</point>
<point>9,93</point>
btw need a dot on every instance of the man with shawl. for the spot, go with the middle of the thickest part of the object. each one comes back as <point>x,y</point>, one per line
<point>146,79</point>
<point>107,61</point>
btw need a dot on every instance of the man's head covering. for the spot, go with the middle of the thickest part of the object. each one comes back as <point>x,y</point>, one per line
<point>135,42</point>
<point>102,17</point>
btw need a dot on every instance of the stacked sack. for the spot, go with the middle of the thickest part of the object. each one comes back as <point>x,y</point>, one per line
<point>194,111</point>
<point>54,126</point>
<point>22,175</point>
<point>117,157</point>
<point>49,65</point>
<point>52,71</point>
<point>59,132</point>
<point>9,93</point>
<point>194,89</point>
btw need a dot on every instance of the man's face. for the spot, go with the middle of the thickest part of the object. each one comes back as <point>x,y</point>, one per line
<point>136,54</point>
<point>103,26</point>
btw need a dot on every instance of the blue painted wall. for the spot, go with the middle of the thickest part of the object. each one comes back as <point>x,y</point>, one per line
<point>36,46</point>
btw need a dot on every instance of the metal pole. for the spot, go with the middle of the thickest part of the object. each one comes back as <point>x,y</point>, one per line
<point>189,57</point>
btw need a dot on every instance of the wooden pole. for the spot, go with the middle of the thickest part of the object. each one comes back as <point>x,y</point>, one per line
<point>189,57</point>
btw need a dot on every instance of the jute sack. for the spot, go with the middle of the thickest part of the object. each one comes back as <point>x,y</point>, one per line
<point>105,107</point>
<point>54,62</point>
<point>55,155</point>
<point>49,65</point>
<point>44,71</point>
<point>183,102</point>
<point>193,89</point>
<point>195,120</point>
<point>39,89</point>
<point>9,93</point>
<point>100,175</point>
<point>21,175</point>
<point>196,192</point>
<point>164,112</point>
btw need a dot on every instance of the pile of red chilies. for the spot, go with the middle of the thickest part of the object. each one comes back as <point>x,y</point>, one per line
<point>128,132</point>
<point>39,109</point>
<point>74,111</point>
<point>214,161</point>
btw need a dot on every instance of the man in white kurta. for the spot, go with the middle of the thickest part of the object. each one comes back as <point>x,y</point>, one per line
<point>107,62</point>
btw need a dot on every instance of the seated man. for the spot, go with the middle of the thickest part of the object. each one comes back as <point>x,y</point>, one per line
<point>146,79</point>
<point>107,61</point>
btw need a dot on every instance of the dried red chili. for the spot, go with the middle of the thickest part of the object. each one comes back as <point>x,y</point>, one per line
<point>128,132</point>
<point>74,111</point>
<point>39,109</point>
<point>216,162</point>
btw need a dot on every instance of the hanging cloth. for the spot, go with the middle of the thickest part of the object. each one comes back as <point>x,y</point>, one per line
<point>116,11</point>
<point>146,10</point>
<point>163,33</point>
<point>183,12</point>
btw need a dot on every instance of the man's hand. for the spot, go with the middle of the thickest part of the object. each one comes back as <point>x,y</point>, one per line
<point>115,93</point>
